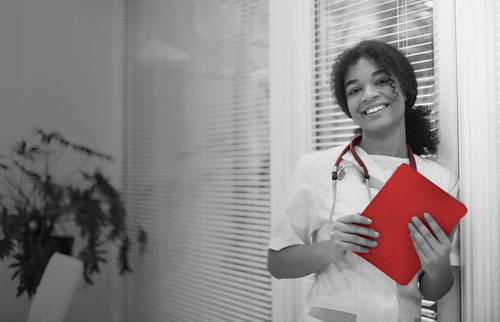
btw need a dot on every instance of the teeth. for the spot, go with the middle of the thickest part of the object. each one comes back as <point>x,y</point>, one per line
<point>375,109</point>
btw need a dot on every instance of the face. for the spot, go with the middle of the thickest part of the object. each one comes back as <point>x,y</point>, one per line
<point>372,101</point>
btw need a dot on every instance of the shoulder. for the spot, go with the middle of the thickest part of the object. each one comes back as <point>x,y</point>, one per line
<point>320,160</point>
<point>316,166</point>
<point>439,175</point>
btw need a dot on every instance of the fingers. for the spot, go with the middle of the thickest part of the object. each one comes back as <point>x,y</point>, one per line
<point>353,247</point>
<point>354,239</point>
<point>422,248</point>
<point>347,234</point>
<point>436,229</point>
<point>422,237</point>
<point>346,225</point>
<point>422,234</point>
<point>346,241</point>
<point>420,252</point>
<point>355,229</point>
<point>433,252</point>
<point>355,219</point>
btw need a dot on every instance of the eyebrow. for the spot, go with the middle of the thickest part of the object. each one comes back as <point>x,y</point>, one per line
<point>375,73</point>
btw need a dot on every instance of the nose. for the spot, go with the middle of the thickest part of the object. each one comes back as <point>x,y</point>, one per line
<point>370,92</point>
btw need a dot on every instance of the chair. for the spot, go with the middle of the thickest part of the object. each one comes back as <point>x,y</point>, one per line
<point>59,282</point>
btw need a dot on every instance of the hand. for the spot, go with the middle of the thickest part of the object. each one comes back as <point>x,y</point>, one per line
<point>346,236</point>
<point>434,253</point>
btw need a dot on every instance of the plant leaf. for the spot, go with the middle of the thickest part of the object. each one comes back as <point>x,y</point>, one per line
<point>123,263</point>
<point>47,138</point>
<point>142,238</point>
<point>7,246</point>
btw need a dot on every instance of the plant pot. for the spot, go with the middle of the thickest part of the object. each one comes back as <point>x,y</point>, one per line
<point>32,261</point>
<point>60,244</point>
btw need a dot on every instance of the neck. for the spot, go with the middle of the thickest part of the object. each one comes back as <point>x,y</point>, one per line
<point>390,145</point>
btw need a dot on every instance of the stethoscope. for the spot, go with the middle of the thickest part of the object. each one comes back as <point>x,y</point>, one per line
<point>340,171</point>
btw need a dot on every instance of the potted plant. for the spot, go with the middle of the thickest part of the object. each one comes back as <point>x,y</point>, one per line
<point>36,201</point>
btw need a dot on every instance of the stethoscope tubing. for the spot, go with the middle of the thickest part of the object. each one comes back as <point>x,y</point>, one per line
<point>336,171</point>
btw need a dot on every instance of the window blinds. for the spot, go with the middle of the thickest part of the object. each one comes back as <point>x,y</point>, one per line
<point>197,160</point>
<point>339,24</point>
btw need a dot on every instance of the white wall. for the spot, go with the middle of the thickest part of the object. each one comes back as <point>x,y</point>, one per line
<point>61,68</point>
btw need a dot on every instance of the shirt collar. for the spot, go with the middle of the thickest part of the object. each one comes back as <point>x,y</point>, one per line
<point>373,169</point>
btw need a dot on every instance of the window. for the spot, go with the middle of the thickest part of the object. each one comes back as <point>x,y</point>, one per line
<point>197,160</point>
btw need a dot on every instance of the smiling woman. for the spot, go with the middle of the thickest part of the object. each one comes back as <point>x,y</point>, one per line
<point>374,85</point>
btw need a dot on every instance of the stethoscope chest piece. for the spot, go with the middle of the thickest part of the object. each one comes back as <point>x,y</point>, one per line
<point>341,173</point>
<point>349,167</point>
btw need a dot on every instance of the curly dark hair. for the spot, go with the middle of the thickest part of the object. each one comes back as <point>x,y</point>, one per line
<point>420,136</point>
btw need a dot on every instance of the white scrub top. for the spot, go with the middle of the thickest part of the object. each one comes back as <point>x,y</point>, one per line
<point>353,286</point>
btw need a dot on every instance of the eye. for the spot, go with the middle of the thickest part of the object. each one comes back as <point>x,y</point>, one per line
<point>383,81</point>
<point>353,91</point>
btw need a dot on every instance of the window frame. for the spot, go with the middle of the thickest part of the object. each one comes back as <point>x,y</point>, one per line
<point>478,159</point>
<point>289,64</point>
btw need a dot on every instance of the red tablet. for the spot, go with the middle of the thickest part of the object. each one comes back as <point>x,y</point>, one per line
<point>406,194</point>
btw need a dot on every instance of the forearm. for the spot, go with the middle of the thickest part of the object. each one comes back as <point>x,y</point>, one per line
<point>434,286</point>
<point>298,260</point>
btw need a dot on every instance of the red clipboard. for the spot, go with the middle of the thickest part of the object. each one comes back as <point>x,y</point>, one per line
<point>406,194</point>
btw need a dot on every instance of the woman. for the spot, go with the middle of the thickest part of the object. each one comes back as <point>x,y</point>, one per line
<point>375,85</point>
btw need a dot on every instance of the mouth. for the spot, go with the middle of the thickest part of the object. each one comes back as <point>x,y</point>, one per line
<point>375,109</point>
